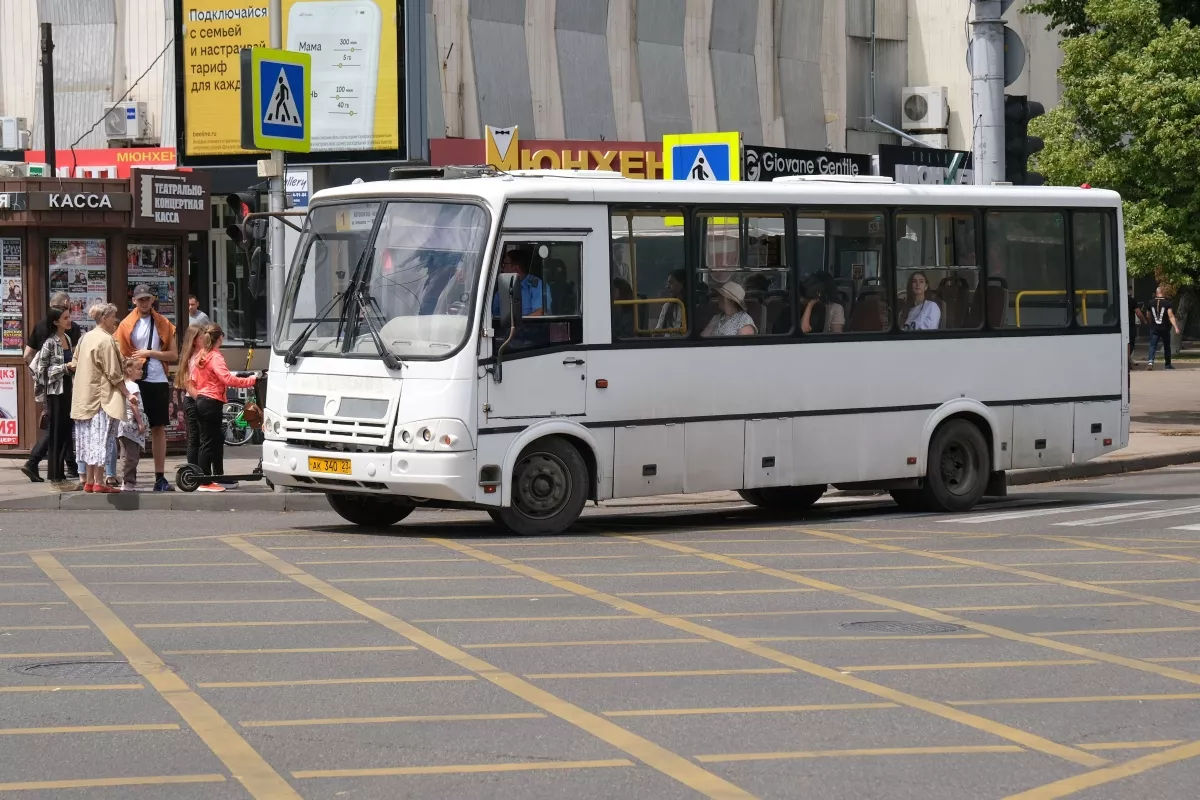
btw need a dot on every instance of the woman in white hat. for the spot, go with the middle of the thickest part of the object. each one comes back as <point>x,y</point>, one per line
<point>732,319</point>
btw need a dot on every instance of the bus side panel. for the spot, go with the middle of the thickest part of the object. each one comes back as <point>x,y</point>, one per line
<point>768,453</point>
<point>865,447</point>
<point>1096,423</point>
<point>714,455</point>
<point>649,460</point>
<point>1043,435</point>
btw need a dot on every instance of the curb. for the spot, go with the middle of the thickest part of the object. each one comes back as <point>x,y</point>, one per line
<point>307,501</point>
<point>1097,469</point>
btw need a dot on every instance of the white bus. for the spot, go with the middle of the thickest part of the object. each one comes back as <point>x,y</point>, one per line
<point>523,343</point>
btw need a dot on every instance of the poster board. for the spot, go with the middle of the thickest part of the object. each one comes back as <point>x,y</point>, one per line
<point>153,265</point>
<point>9,429</point>
<point>79,267</point>
<point>12,326</point>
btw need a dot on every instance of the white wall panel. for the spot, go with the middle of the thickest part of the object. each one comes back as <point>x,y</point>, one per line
<point>19,58</point>
<point>145,37</point>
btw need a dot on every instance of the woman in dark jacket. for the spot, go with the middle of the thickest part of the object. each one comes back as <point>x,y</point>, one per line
<point>52,370</point>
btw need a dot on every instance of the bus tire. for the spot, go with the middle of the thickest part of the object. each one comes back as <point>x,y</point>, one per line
<point>549,489</point>
<point>783,498</point>
<point>370,512</point>
<point>958,468</point>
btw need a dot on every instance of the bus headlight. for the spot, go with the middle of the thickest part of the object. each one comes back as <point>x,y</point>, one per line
<point>272,425</point>
<point>434,435</point>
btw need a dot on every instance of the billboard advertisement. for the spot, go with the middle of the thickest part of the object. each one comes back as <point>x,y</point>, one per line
<point>355,75</point>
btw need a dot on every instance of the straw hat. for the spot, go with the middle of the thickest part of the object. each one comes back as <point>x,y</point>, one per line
<point>734,292</point>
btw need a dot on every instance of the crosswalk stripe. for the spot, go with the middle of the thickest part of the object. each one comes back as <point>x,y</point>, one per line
<point>1136,516</point>
<point>980,519</point>
<point>1184,528</point>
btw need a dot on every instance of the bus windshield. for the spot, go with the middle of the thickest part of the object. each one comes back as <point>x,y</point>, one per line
<point>408,288</point>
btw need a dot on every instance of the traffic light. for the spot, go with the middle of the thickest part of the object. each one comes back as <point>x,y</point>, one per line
<point>1018,144</point>
<point>249,237</point>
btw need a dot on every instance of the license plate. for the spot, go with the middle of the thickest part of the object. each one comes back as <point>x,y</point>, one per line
<point>334,466</point>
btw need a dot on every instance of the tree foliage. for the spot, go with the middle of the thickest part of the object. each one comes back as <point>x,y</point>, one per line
<point>1070,17</point>
<point>1130,121</point>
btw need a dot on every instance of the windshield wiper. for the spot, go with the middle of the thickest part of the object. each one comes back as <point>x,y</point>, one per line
<point>293,352</point>
<point>390,360</point>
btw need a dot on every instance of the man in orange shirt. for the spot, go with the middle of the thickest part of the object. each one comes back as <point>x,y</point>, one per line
<point>148,335</point>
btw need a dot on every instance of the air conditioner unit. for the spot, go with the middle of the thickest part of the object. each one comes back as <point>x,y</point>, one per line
<point>126,122</point>
<point>14,133</point>
<point>941,141</point>
<point>924,108</point>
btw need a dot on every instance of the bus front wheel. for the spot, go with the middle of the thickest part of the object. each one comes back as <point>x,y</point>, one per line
<point>783,498</point>
<point>370,512</point>
<point>549,489</point>
<point>958,468</point>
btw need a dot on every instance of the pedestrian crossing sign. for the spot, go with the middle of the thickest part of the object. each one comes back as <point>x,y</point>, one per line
<point>702,156</point>
<point>276,100</point>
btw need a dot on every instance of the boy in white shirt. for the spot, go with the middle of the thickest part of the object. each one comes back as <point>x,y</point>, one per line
<point>132,431</point>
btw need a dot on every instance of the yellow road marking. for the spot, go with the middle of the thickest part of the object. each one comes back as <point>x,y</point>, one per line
<point>712,592</point>
<point>96,783</point>
<point>1116,698</point>
<point>383,561</point>
<point>149,549</point>
<point>296,723</point>
<point>216,602</point>
<point>582,617</point>
<point>1006,568</point>
<point>1145,580</point>
<point>725,758</point>
<point>688,712</point>
<point>242,760</point>
<point>887,602</point>
<point>336,681</point>
<point>164,566</point>
<point>1098,777</point>
<point>882,569</point>
<point>56,655</point>
<point>346,547</point>
<point>1064,662</point>
<point>786,659</point>
<point>1117,604</point>
<point>567,543</point>
<point>249,624</point>
<point>798,553</point>
<point>584,558</point>
<point>1159,560</point>
<point>283,650</point>
<point>783,613</point>
<point>641,574</point>
<point>956,585</point>
<point>87,729</point>
<point>1119,631</point>
<point>472,597</point>
<point>181,583</point>
<point>676,673</point>
<point>464,769</point>
<point>426,578</point>
<point>44,627</point>
<point>1131,745</point>
<point>15,566</point>
<point>83,687</point>
<point>1174,659</point>
<point>653,755</point>
<point>31,603</point>
<point>583,643</point>
<point>1012,549</point>
<point>101,547</point>
<point>1127,550</point>
<point>880,638</point>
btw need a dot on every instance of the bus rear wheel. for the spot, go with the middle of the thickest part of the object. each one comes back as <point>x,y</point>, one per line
<point>370,512</point>
<point>958,468</point>
<point>549,489</point>
<point>783,498</point>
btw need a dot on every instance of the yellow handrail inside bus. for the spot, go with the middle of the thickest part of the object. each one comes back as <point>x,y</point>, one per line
<point>659,300</point>
<point>1050,293</point>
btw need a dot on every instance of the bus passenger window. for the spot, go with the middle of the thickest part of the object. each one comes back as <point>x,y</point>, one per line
<point>1027,269</point>
<point>548,274</point>
<point>744,286</point>
<point>937,273</point>
<point>840,263</point>
<point>648,278</point>
<point>1096,301</point>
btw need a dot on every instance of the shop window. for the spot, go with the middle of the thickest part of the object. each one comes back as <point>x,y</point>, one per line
<point>649,281</point>
<point>79,267</point>
<point>12,328</point>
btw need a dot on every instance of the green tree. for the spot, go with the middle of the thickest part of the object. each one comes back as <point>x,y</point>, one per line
<point>1070,17</point>
<point>1130,121</point>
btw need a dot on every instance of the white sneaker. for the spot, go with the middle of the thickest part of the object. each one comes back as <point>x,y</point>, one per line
<point>129,487</point>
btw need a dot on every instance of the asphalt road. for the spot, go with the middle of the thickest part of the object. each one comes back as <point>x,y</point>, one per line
<point>1043,646</point>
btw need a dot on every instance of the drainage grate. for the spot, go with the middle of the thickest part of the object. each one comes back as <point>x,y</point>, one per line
<point>81,669</point>
<point>912,628</point>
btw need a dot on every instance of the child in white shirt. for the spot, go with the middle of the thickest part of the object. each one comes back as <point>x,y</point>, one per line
<point>132,431</point>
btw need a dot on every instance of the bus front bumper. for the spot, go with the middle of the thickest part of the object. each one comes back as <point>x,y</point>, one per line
<point>451,477</point>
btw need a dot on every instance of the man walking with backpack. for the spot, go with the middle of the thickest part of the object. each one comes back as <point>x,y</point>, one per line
<point>1160,315</point>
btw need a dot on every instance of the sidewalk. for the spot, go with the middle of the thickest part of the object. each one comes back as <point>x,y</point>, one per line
<point>1165,429</point>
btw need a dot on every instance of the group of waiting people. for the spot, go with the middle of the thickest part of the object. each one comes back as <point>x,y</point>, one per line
<point>104,391</point>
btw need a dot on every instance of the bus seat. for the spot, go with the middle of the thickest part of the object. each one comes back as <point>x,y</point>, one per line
<point>867,314</point>
<point>955,296</point>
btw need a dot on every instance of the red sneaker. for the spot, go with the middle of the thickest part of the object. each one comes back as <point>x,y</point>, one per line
<point>89,487</point>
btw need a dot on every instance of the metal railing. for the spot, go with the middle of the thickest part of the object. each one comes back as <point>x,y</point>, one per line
<point>1083,293</point>
<point>641,301</point>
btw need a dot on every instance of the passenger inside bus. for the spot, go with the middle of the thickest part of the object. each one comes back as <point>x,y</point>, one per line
<point>535,295</point>
<point>622,315</point>
<point>670,317</point>
<point>731,319</point>
<point>920,313</point>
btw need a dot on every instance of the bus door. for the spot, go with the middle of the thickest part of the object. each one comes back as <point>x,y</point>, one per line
<point>542,370</point>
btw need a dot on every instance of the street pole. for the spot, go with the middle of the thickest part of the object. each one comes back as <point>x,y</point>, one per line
<point>987,91</point>
<point>48,122</point>
<point>277,267</point>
